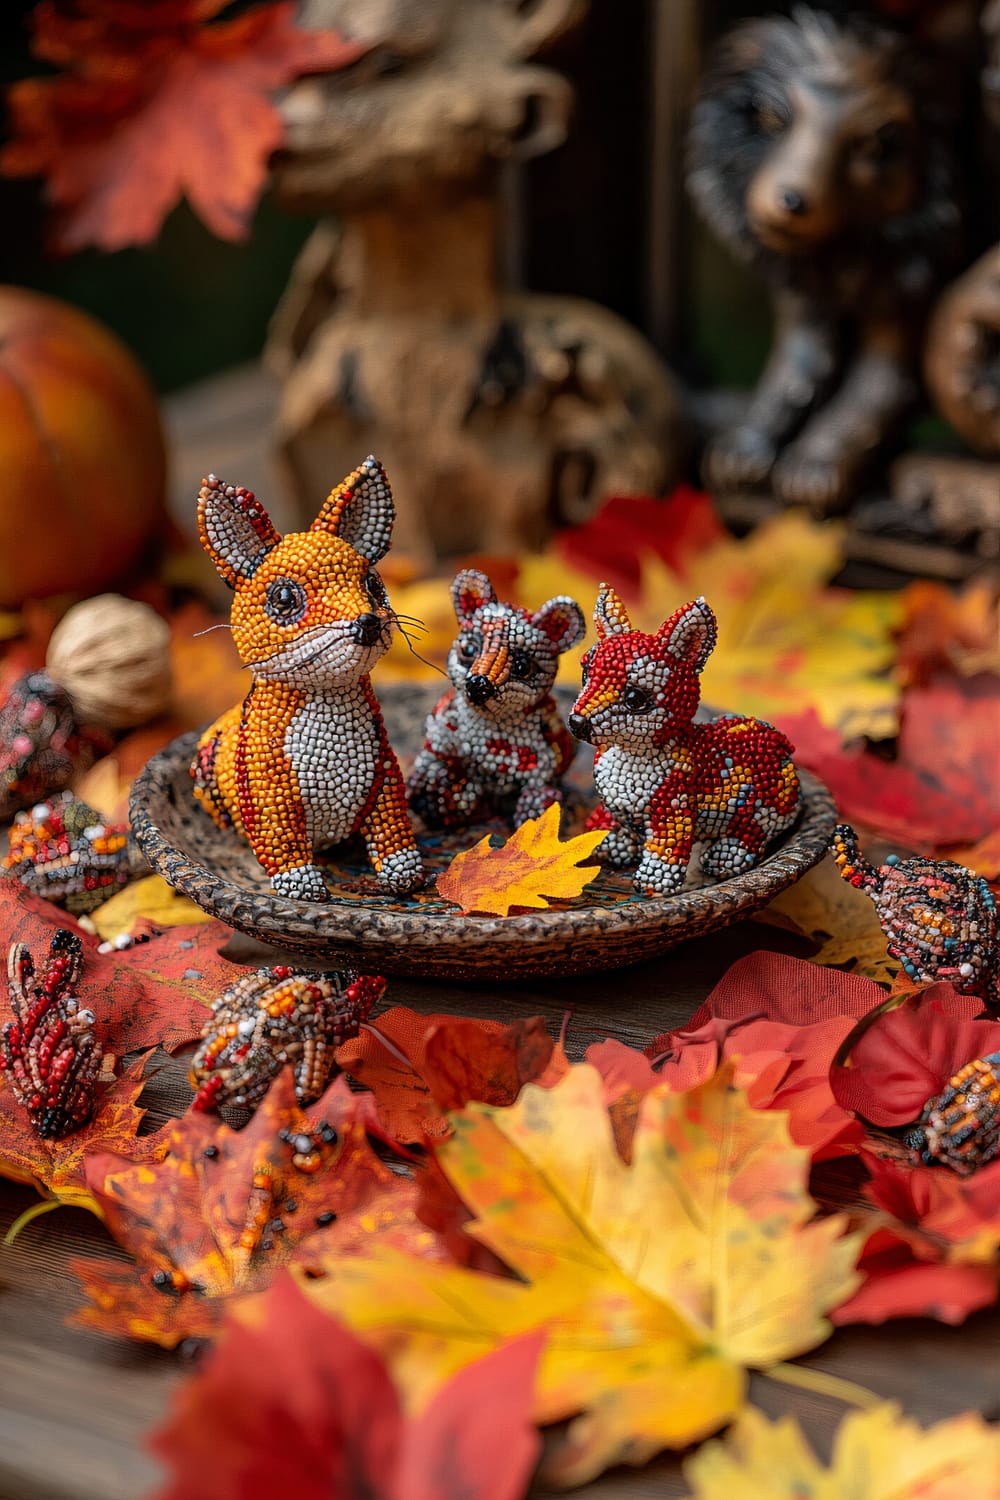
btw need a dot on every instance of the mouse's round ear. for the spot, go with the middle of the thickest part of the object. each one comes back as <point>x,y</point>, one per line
<point>561,619</point>
<point>610,614</point>
<point>235,529</point>
<point>360,510</point>
<point>470,590</point>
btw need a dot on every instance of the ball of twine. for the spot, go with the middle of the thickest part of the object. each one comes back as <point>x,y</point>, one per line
<point>112,655</point>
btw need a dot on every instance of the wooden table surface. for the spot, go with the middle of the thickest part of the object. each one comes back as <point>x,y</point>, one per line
<point>74,1406</point>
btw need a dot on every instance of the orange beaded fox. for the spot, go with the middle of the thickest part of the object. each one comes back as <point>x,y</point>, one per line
<point>304,762</point>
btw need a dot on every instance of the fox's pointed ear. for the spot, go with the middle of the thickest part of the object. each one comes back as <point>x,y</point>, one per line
<point>690,633</point>
<point>610,614</point>
<point>470,590</point>
<point>561,619</point>
<point>361,511</point>
<point>235,529</point>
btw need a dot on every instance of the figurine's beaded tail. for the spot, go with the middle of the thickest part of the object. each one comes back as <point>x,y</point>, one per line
<point>852,864</point>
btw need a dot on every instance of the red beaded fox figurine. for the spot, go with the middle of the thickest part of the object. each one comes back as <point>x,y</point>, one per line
<point>304,762</point>
<point>664,780</point>
<point>495,743</point>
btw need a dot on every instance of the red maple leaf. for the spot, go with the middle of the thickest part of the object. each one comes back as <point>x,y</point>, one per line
<point>155,993</point>
<point>419,1067</point>
<point>626,529</point>
<point>156,104</point>
<point>900,1283</point>
<point>907,1055</point>
<point>297,1405</point>
<point>943,787</point>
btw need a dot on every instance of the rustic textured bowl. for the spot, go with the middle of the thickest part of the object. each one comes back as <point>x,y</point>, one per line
<point>608,925</point>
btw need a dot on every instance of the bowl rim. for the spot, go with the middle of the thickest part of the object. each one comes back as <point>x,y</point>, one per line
<point>366,924</point>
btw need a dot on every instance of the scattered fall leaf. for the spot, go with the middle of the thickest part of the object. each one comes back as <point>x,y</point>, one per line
<point>150,898</point>
<point>58,1168</point>
<point>656,1283</point>
<point>877,1455</point>
<point>946,630</point>
<point>225,1209</point>
<point>153,994</point>
<point>912,1278</point>
<point>907,1054</point>
<point>150,108</point>
<point>943,787</point>
<point>838,918</point>
<point>343,1433</point>
<point>532,866</point>
<point>786,989</point>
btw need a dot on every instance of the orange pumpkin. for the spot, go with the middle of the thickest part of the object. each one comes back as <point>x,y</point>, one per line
<point>82,461</point>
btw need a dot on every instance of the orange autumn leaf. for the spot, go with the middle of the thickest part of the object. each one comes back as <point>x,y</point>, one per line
<point>225,1209</point>
<point>419,1067</point>
<point>531,867</point>
<point>155,103</point>
<point>877,1455</point>
<point>58,1168</point>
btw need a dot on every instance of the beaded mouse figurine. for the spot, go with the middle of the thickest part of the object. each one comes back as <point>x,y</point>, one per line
<point>666,782</point>
<point>940,919</point>
<point>304,762</point>
<point>495,743</point>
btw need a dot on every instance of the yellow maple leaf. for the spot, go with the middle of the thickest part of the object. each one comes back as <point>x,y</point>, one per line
<point>657,1282</point>
<point>532,866</point>
<point>877,1455</point>
<point>151,898</point>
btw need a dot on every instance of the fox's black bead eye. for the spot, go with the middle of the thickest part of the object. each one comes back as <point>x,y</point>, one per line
<point>286,601</point>
<point>466,647</point>
<point>637,700</point>
<point>585,668</point>
<point>521,664</point>
<point>375,589</point>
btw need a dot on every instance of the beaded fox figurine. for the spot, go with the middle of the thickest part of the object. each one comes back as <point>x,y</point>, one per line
<point>304,763</point>
<point>495,743</point>
<point>665,781</point>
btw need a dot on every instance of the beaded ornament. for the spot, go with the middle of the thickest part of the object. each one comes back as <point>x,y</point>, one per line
<point>666,782</point>
<point>960,1127</point>
<point>939,918</point>
<point>64,852</point>
<point>271,1017</point>
<point>304,763</point>
<point>42,744</point>
<point>495,743</point>
<point>49,1052</point>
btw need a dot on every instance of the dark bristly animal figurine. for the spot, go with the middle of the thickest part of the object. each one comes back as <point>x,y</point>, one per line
<point>819,154</point>
<point>940,919</point>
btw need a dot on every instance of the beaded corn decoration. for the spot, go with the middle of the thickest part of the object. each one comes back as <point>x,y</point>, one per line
<point>42,745</point>
<point>272,1017</point>
<point>495,743</point>
<point>960,1127</point>
<point>666,782</point>
<point>939,918</point>
<point>49,1052</point>
<point>304,763</point>
<point>64,852</point>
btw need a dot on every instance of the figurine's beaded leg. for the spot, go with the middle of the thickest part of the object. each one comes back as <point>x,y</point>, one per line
<point>389,837</point>
<point>621,847</point>
<point>301,883</point>
<point>534,800</point>
<point>728,856</point>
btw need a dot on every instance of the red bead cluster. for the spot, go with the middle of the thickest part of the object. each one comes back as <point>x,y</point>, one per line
<point>49,1051</point>
<point>270,1018</point>
<point>42,745</point>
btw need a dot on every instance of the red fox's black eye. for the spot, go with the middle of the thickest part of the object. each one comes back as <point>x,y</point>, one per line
<point>521,664</point>
<point>375,589</point>
<point>286,601</point>
<point>636,700</point>
<point>585,668</point>
<point>467,645</point>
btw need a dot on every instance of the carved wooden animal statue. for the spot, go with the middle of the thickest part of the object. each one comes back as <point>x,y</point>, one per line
<point>304,763</point>
<point>507,412</point>
<point>496,743</point>
<point>666,782</point>
<point>818,154</point>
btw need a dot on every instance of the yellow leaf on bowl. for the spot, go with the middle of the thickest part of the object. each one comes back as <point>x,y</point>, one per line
<point>533,866</point>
